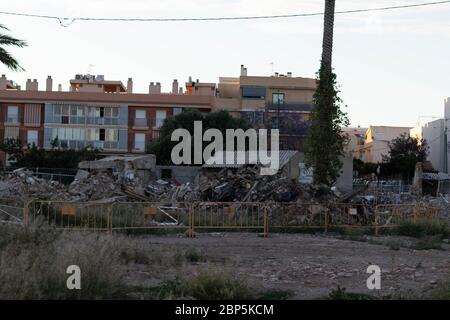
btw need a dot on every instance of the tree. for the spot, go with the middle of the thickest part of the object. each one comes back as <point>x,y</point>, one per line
<point>220,120</point>
<point>5,57</point>
<point>324,145</point>
<point>33,157</point>
<point>12,147</point>
<point>404,152</point>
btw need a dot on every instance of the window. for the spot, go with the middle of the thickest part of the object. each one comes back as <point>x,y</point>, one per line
<point>93,134</point>
<point>112,135</point>
<point>32,137</point>
<point>13,114</point>
<point>73,110</point>
<point>57,110</point>
<point>139,141</point>
<point>102,134</point>
<point>80,111</point>
<point>177,111</point>
<point>278,98</point>
<point>160,117</point>
<point>253,92</point>
<point>140,114</point>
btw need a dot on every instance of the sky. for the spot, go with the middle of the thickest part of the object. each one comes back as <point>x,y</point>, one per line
<point>393,67</point>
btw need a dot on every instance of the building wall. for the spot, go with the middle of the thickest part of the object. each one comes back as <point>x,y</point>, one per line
<point>149,127</point>
<point>447,141</point>
<point>434,134</point>
<point>377,140</point>
<point>180,174</point>
<point>30,118</point>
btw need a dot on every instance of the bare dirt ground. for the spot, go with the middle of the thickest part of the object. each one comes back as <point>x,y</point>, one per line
<point>308,266</point>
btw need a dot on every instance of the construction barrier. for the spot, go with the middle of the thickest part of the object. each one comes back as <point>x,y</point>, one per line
<point>224,216</point>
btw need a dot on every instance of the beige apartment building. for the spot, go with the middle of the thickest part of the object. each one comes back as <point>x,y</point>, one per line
<point>356,139</point>
<point>279,101</point>
<point>376,142</point>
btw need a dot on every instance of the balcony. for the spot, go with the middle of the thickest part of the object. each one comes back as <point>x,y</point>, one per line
<point>295,107</point>
<point>141,123</point>
<point>11,121</point>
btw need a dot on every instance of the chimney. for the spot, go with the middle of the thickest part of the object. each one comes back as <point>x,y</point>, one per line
<point>28,85</point>
<point>60,87</point>
<point>154,88</point>
<point>3,82</point>
<point>243,71</point>
<point>190,80</point>
<point>289,74</point>
<point>49,84</point>
<point>35,85</point>
<point>175,86</point>
<point>130,85</point>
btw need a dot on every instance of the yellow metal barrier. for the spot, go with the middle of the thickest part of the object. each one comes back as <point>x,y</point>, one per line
<point>192,216</point>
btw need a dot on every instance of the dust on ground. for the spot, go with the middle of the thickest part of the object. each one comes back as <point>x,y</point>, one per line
<point>307,266</point>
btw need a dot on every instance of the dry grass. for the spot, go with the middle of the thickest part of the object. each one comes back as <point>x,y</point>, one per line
<point>33,264</point>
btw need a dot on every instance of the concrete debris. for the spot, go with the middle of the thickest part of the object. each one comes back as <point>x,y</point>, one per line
<point>22,183</point>
<point>243,184</point>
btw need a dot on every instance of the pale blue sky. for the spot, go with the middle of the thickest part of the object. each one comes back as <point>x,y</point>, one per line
<point>393,66</point>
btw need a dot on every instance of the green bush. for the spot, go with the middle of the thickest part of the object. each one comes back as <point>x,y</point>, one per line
<point>342,294</point>
<point>205,286</point>
<point>419,230</point>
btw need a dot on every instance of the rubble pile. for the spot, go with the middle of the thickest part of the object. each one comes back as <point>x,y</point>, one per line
<point>22,183</point>
<point>246,184</point>
<point>242,185</point>
<point>92,187</point>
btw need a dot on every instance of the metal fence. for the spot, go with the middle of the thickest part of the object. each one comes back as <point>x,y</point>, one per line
<point>396,187</point>
<point>223,216</point>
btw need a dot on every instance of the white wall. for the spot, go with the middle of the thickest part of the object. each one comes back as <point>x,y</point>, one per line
<point>434,133</point>
<point>447,118</point>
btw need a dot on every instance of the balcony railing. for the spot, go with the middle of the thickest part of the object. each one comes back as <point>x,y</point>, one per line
<point>141,122</point>
<point>305,107</point>
<point>147,123</point>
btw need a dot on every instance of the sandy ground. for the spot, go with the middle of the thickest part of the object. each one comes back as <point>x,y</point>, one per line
<point>309,266</point>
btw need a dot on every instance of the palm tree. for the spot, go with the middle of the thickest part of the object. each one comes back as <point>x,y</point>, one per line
<point>328,30</point>
<point>5,57</point>
<point>324,144</point>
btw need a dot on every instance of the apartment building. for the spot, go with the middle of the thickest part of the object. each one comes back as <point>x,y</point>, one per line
<point>97,112</point>
<point>376,142</point>
<point>437,135</point>
<point>279,101</point>
<point>108,115</point>
<point>356,139</point>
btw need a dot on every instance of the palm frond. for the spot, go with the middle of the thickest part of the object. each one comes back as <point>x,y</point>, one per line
<point>9,61</point>
<point>11,41</point>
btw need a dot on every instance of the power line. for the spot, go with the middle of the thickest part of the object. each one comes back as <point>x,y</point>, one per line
<point>65,21</point>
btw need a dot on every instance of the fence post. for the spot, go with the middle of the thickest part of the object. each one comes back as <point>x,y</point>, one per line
<point>26,212</point>
<point>109,218</point>
<point>377,217</point>
<point>266,222</point>
<point>190,233</point>
<point>326,220</point>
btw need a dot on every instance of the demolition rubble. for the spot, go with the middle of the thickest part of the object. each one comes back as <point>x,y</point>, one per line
<point>116,181</point>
